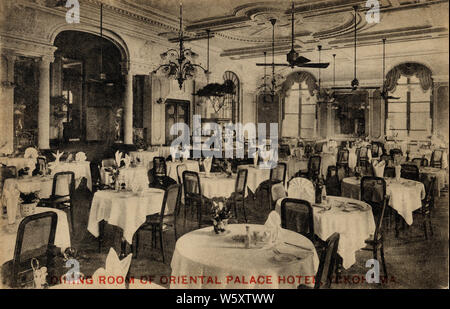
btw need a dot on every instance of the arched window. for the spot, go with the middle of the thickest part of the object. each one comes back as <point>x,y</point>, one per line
<point>299,110</point>
<point>232,101</point>
<point>409,116</point>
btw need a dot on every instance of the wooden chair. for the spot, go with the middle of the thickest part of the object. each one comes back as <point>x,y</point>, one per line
<point>166,217</point>
<point>297,216</point>
<point>35,239</point>
<point>373,192</point>
<point>328,261</point>
<point>342,162</point>
<point>332,182</point>
<point>410,171</point>
<point>42,164</point>
<point>237,199</point>
<point>193,196</point>
<point>395,151</point>
<point>362,158</point>
<point>377,149</point>
<point>159,174</point>
<point>277,175</point>
<point>61,200</point>
<point>427,205</point>
<point>436,158</point>
<point>180,169</point>
<point>420,162</point>
<point>314,166</point>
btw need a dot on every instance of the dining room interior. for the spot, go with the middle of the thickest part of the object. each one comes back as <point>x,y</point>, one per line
<point>237,144</point>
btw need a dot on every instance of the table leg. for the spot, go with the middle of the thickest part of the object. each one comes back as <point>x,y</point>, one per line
<point>123,248</point>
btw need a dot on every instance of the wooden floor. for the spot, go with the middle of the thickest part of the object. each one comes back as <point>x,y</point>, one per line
<point>412,261</point>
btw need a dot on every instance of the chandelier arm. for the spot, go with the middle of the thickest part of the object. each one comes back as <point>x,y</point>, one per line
<point>161,66</point>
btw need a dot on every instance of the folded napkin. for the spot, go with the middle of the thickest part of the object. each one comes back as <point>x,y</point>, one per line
<point>273,226</point>
<point>57,155</point>
<point>31,152</point>
<point>378,167</point>
<point>114,267</point>
<point>118,158</point>
<point>80,156</point>
<point>127,160</point>
<point>207,164</point>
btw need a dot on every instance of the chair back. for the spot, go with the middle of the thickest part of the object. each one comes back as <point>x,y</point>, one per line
<point>436,158</point>
<point>297,216</point>
<point>108,162</point>
<point>301,188</point>
<point>278,173</point>
<point>418,161</point>
<point>180,169</point>
<point>284,151</point>
<point>171,201</point>
<point>395,151</point>
<point>314,165</point>
<point>373,190</point>
<point>410,171</point>
<point>191,184</point>
<point>308,150</point>
<point>342,157</point>
<point>159,166</point>
<point>332,182</point>
<point>63,184</point>
<point>376,149</point>
<point>430,185</point>
<point>327,262</point>
<point>389,171</point>
<point>35,236</point>
<point>318,147</point>
<point>241,182</point>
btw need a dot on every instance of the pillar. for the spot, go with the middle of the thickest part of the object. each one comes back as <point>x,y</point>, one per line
<point>128,110</point>
<point>44,104</point>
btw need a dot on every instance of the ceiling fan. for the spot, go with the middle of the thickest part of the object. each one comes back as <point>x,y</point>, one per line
<point>102,76</point>
<point>384,94</point>
<point>355,81</point>
<point>293,59</point>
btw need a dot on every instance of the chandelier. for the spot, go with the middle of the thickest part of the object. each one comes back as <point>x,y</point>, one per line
<point>179,64</point>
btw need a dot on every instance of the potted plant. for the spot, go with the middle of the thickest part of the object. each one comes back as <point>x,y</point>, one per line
<point>28,203</point>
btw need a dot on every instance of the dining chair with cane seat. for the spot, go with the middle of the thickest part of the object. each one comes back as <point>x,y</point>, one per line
<point>297,215</point>
<point>277,175</point>
<point>436,158</point>
<point>159,166</point>
<point>35,240</point>
<point>62,192</point>
<point>427,204</point>
<point>237,199</point>
<point>180,169</point>
<point>332,182</point>
<point>328,262</point>
<point>42,164</point>
<point>159,174</point>
<point>373,192</point>
<point>193,196</point>
<point>377,149</point>
<point>284,151</point>
<point>158,223</point>
<point>342,162</point>
<point>362,156</point>
<point>314,166</point>
<point>410,171</point>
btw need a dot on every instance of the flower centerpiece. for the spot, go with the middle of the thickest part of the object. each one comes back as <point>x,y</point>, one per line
<point>221,212</point>
<point>28,203</point>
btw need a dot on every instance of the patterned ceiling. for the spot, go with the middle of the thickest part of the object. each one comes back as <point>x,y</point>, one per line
<point>242,29</point>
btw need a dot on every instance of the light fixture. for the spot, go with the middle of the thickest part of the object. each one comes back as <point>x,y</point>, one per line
<point>180,63</point>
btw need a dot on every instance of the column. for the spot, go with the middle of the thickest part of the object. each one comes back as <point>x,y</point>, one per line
<point>128,110</point>
<point>44,104</point>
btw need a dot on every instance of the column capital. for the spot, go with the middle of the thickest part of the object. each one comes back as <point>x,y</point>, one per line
<point>45,60</point>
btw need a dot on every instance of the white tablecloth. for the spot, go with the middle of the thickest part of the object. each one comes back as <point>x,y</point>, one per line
<point>404,196</point>
<point>124,209</point>
<point>441,177</point>
<point>8,234</point>
<point>191,165</point>
<point>217,185</point>
<point>327,160</point>
<point>203,253</point>
<point>145,157</point>
<point>19,163</point>
<point>294,165</point>
<point>255,176</point>
<point>81,169</point>
<point>14,186</point>
<point>354,227</point>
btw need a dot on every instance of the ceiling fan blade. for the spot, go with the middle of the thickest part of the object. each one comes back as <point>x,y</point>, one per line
<point>314,65</point>
<point>272,64</point>
<point>301,60</point>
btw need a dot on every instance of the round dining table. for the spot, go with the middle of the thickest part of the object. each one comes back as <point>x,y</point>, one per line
<point>80,168</point>
<point>205,260</point>
<point>352,219</point>
<point>19,163</point>
<point>255,176</point>
<point>217,184</point>
<point>440,174</point>
<point>125,209</point>
<point>12,187</point>
<point>405,195</point>
<point>191,165</point>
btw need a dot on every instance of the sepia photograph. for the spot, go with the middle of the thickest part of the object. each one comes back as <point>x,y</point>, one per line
<point>200,146</point>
